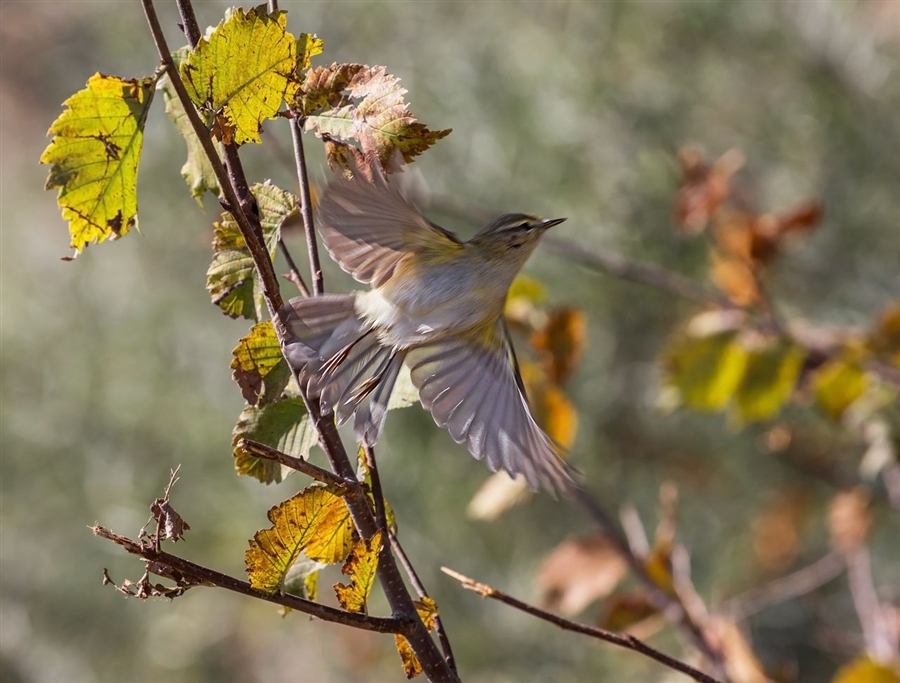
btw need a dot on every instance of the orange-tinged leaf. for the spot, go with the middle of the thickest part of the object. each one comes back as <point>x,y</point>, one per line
<point>885,338</point>
<point>864,670</point>
<point>837,385</point>
<point>550,406</point>
<point>579,571</point>
<point>778,529</point>
<point>258,365</point>
<point>412,667</point>
<point>360,566</point>
<point>315,521</point>
<point>94,157</point>
<point>735,278</point>
<point>704,187</point>
<point>561,342</point>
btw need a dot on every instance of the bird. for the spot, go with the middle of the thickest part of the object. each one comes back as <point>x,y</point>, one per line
<point>436,303</point>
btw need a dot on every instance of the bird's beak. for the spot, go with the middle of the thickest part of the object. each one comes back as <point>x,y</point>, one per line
<point>551,223</point>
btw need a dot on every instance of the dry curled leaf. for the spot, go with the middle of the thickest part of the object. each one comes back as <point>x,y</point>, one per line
<point>579,571</point>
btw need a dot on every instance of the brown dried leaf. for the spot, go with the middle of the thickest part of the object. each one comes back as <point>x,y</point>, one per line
<point>704,187</point>
<point>628,613</point>
<point>578,572</point>
<point>849,519</point>
<point>561,342</point>
<point>777,530</point>
<point>173,524</point>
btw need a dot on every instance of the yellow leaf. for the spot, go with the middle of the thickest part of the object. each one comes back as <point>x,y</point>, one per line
<point>360,566</point>
<point>412,667</point>
<point>864,670</point>
<point>315,521</point>
<point>308,46</point>
<point>706,370</point>
<point>427,611</point>
<point>258,365</point>
<point>837,385</point>
<point>94,157</point>
<point>769,380</point>
<point>242,72</point>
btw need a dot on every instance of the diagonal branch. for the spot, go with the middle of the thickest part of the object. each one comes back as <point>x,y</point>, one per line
<point>625,640</point>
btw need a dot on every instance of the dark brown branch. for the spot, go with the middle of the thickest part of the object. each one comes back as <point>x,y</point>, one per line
<point>260,450</point>
<point>168,565</point>
<point>230,181</point>
<point>624,640</point>
<point>306,206</point>
<point>422,593</point>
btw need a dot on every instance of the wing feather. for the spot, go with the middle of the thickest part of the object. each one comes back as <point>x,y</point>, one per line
<point>472,391</point>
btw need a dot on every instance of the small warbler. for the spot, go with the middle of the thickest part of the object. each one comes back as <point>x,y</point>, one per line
<point>436,303</point>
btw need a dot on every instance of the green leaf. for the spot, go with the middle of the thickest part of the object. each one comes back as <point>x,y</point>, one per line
<point>231,279</point>
<point>308,46</point>
<point>769,379</point>
<point>706,371</point>
<point>303,578</point>
<point>283,425</point>
<point>259,367</point>
<point>376,116</point>
<point>837,385</point>
<point>315,521</point>
<point>360,566</point>
<point>197,171</point>
<point>94,157</point>
<point>239,76</point>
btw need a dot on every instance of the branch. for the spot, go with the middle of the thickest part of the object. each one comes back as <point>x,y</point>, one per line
<point>293,274</point>
<point>306,206</point>
<point>188,574</point>
<point>667,604</point>
<point>626,641</point>
<point>232,182</point>
<point>261,450</point>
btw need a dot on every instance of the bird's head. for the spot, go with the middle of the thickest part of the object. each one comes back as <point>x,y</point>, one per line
<point>513,233</point>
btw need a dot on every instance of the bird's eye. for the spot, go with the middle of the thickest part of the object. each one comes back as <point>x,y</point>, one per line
<point>524,226</point>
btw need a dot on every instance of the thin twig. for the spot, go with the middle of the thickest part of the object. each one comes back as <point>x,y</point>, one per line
<point>877,632</point>
<point>306,206</point>
<point>260,450</point>
<point>293,274</point>
<point>669,605</point>
<point>622,640</point>
<point>422,593</point>
<point>793,585</point>
<point>377,494</point>
<point>168,565</point>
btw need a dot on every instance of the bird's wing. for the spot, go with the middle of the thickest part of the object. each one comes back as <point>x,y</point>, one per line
<point>471,390</point>
<point>368,227</point>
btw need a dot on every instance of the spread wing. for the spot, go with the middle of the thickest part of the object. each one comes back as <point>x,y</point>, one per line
<point>368,227</point>
<point>472,391</point>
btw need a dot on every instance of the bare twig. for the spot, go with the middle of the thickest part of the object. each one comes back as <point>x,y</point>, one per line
<point>422,593</point>
<point>306,206</point>
<point>260,450</point>
<point>293,274</point>
<point>190,574</point>
<point>785,588</point>
<point>622,640</point>
<point>881,641</point>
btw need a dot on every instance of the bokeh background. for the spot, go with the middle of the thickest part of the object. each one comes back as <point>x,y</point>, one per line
<point>115,367</point>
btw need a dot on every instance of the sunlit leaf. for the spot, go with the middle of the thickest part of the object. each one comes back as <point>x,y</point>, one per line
<point>352,102</point>
<point>837,385</point>
<point>769,380</point>
<point>412,667</point>
<point>240,74</point>
<point>497,495</point>
<point>706,371</point>
<point>94,157</point>
<point>360,566</point>
<point>561,342</point>
<point>283,425</point>
<point>364,474</point>
<point>231,279</point>
<point>578,572</point>
<point>427,610</point>
<point>258,365</point>
<point>308,46</point>
<point>315,521</point>
<point>197,171</point>
<point>302,579</point>
<point>864,670</point>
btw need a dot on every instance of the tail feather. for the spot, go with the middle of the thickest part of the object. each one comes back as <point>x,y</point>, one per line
<point>339,360</point>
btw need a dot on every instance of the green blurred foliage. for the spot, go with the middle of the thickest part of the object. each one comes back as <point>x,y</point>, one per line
<point>115,367</point>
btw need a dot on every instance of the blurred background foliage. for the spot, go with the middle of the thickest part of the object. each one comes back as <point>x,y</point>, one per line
<point>115,367</point>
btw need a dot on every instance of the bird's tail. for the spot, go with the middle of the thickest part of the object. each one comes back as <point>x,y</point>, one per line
<point>339,358</point>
